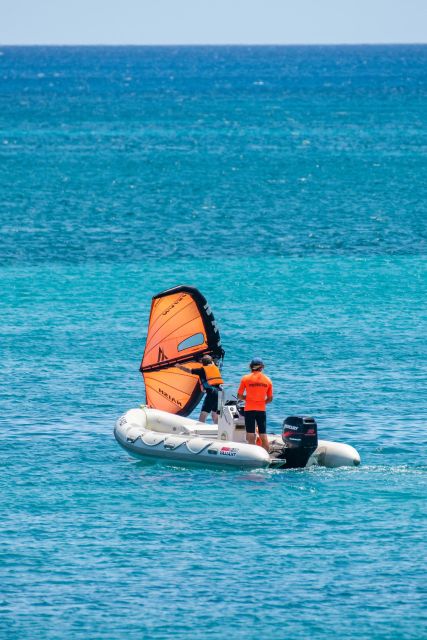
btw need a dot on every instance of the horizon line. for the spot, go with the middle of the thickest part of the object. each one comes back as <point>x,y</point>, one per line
<point>212,44</point>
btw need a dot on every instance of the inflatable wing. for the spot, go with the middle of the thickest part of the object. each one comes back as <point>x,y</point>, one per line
<point>181,330</point>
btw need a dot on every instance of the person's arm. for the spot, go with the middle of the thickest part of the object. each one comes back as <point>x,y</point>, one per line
<point>180,366</point>
<point>269,394</point>
<point>241,390</point>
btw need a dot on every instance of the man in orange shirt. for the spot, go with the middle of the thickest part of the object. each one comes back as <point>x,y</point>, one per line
<point>256,390</point>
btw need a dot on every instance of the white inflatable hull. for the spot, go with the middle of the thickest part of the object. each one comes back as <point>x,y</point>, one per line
<point>151,433</point>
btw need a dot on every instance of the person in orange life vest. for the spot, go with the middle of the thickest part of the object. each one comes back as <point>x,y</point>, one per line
<point>210,381</point>
<point>256,389</point>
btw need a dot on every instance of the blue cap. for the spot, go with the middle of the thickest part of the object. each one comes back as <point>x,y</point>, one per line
<point>256,362</point>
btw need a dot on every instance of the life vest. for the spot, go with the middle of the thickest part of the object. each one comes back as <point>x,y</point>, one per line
<point>213,376</point>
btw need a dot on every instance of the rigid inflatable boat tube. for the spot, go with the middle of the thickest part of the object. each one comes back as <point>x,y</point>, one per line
<point>196,445</point>
<point>152,439</point>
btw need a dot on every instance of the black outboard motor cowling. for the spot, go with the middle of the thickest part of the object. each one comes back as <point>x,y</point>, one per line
<point>300,439</point>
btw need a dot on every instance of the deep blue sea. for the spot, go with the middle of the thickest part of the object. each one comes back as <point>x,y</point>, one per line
<point>289,184</point>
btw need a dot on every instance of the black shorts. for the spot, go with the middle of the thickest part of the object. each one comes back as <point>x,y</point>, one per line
<point>260,417</point>
<point>210,403</point>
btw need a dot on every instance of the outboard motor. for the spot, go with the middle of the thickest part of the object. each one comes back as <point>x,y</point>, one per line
<point>299,436</point>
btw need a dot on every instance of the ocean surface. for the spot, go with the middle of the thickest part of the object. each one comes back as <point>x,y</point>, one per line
<point>289,184</point>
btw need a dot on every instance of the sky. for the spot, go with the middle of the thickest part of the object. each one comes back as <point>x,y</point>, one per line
<point>148,22</point>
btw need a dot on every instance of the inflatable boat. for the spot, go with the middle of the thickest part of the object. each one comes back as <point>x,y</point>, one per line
<point>151,433</point>
<point>181,330</point>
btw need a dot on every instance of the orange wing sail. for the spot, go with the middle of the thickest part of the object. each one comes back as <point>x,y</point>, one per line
<point>181,329</point>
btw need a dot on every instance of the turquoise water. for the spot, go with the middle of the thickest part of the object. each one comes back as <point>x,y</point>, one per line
<point>288,184</point>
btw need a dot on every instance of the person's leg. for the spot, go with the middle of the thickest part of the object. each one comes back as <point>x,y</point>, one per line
<point>265,442</point>
<point>250,427</point>
<point>210,405</point>
<point>214,405</point>
<point>261,420</point>
<point>206,409</point>
<point>250,438</point>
